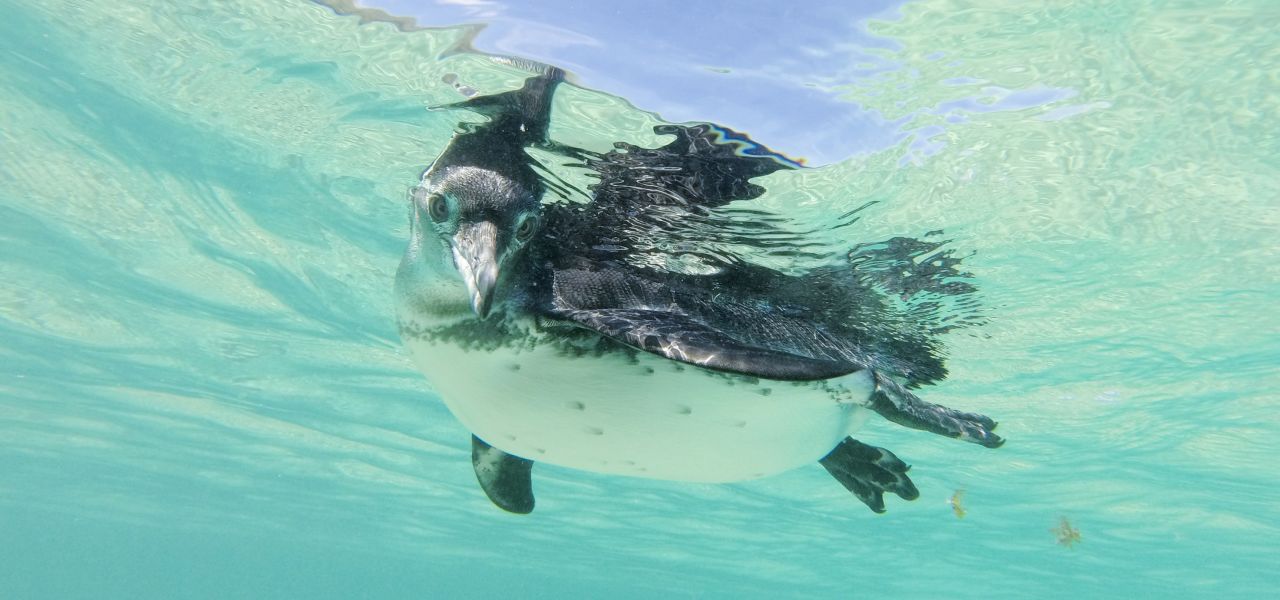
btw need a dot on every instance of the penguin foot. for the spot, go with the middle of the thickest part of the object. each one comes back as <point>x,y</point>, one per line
<point>900,406</point>
<point>506,479</point>
<point>869,472</point>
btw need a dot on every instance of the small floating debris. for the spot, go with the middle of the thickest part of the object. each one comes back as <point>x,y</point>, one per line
<point>957,504</point>
<point>1067,535</point>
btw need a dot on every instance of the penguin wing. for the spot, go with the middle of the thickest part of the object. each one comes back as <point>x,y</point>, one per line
<point>706,165</point>
<point>687,198</point>
<point>522,114</point>
<point>685,339</point>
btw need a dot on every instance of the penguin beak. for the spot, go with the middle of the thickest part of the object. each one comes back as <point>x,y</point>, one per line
<point>475,248</point>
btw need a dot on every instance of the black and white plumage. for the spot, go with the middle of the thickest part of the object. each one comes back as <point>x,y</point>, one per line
<point>552,334</point>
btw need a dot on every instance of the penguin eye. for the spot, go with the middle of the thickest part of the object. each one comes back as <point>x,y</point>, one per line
<point>438,208</point>
<point>526,228</point>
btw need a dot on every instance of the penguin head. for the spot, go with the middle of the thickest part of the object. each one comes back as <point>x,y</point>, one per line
<point>482,218</point>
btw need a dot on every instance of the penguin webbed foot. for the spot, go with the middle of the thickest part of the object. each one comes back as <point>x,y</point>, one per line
<point>897,404</point>
<point>869,472</point>
<point>506,479</point>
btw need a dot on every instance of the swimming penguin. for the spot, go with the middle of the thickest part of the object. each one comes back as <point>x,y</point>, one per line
<point>554,335</point>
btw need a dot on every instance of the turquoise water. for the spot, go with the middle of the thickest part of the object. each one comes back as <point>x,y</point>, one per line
<point>202,394</point>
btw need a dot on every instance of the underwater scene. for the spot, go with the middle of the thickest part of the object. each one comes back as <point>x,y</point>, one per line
<point>470,298</point>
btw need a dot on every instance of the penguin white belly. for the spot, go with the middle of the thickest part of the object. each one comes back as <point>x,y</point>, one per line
<point>642,415</point>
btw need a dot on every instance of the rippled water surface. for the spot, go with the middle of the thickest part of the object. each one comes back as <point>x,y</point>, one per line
<point>202,393</point>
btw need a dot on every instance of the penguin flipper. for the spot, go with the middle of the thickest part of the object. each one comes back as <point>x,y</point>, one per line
<point>899,405</point>
<point>507,480</point>
<point>706,165</point>
<point>684,339</point>
<point>526,111</point>
<point>869,472</point>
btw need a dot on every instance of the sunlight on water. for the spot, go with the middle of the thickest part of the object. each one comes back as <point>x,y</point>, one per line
<point>202,393</point>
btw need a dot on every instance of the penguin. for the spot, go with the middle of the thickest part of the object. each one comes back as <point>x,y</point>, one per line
<point>568,333</point>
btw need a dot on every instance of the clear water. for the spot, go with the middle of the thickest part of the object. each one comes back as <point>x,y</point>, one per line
<point>202,394</point>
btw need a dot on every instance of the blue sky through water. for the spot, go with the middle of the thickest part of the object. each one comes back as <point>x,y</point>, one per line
<point>771,70</point>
